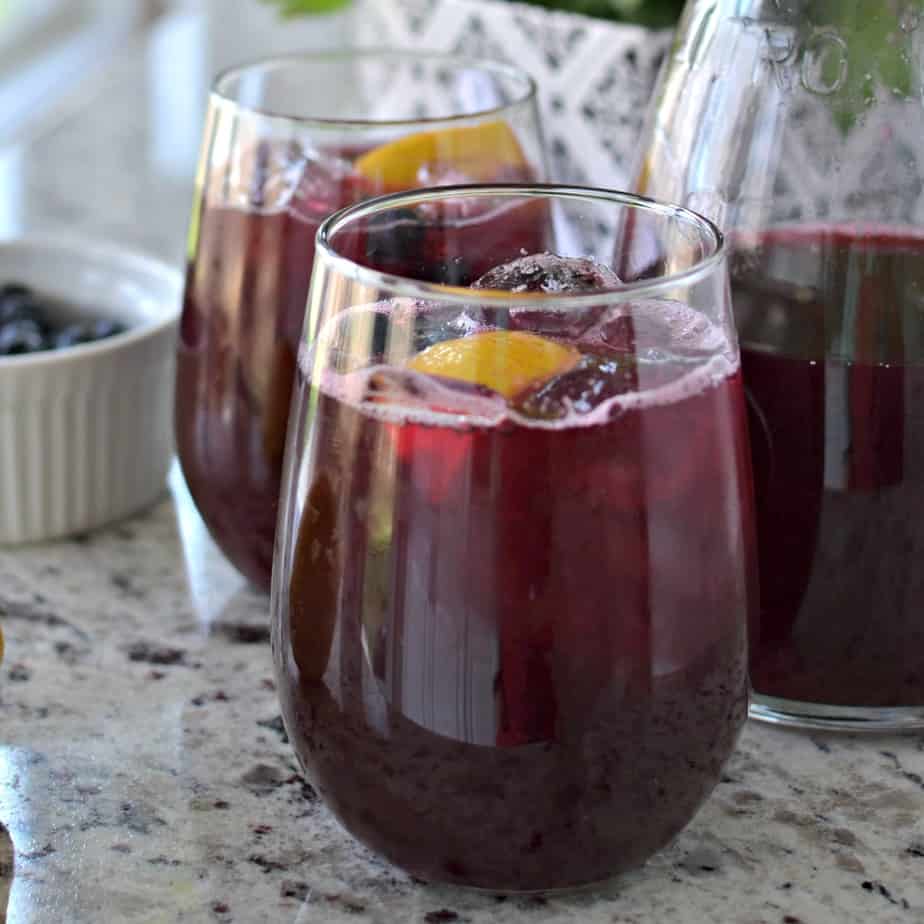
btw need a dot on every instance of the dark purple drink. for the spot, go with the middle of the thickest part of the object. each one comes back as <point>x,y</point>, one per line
<point>833,360</point>
<point>246,288</point>
<point>509,653</point>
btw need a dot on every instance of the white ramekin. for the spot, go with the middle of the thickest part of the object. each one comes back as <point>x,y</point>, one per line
<point>86,433</point>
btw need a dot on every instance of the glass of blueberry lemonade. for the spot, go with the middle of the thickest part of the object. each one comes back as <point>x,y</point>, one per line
<point>287,142</point>
<point>515,553</point>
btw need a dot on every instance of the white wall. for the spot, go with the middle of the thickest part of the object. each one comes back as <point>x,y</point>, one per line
<point>47,47</point>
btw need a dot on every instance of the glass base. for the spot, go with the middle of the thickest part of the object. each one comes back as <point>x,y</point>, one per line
<point>794,714</point>
<point>595,885</point>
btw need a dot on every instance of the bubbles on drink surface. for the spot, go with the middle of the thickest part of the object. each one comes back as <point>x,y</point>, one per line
<point>408,358</point>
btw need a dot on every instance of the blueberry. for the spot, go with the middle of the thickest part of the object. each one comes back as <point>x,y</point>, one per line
<point>105,327</point>
<point>595,379</point>
<point>86,332</point>
<point>13,289</point>
<point>72,335</point>
<point>20,337</point>
<point>18,304</point>
<point>395,237</point>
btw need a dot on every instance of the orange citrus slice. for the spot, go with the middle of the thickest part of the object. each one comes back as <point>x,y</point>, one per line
<point>477,151</point>
<point>502,360</point>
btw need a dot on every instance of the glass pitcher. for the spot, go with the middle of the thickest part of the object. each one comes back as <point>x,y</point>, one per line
<point>797,126</point>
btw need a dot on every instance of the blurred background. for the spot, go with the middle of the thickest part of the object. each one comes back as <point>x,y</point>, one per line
<point>102,101</point>
<point>102,105</point>
<point>48,47</point>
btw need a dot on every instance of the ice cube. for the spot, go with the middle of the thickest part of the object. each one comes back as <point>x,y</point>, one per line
<point>595,379</point>
<point>393,331</point>
<point>272,176</point>
<point>441,175</point>
<point>263,176</point>
<point>550,273</point>
<point>423,323</point>
<point>616,330</point>
<point>570,324</point>
<point>658,329</point>
<point>353,338</point>
<point>434,324</point>
<point>413,391</point>
<point>326,182</point>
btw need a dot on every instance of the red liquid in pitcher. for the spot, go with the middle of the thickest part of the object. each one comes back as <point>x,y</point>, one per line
<point>833,360</point>
<point>246,289</point>
<point>510,636</point>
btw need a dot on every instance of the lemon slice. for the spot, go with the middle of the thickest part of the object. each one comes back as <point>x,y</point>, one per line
<point>504,361</point>
<point>477,151</point>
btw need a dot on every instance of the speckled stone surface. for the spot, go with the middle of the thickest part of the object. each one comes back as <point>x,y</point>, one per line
<point>144,773</point>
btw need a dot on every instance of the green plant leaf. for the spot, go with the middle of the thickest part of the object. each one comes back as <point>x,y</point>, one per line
<point>655,14</point>
<point>292,8</point>
<point>879,51</point>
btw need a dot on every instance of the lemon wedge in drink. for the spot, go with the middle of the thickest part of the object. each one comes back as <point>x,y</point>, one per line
<point>476,151</point>
<point>502,360</point>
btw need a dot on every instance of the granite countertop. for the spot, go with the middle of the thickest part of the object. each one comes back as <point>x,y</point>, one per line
<point>145,775</point>
<point>144,772</point>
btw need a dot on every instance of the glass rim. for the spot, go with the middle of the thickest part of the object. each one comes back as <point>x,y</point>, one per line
<point>459,61</point>
<point>407,287</point>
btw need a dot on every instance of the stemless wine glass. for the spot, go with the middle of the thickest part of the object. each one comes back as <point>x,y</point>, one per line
<point>287,142</point>
<point>797,125</point>
<point>510,594</point>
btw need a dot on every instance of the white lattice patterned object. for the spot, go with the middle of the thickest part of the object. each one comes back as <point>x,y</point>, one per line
<point>595,78</point>
<point>872,171</point>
